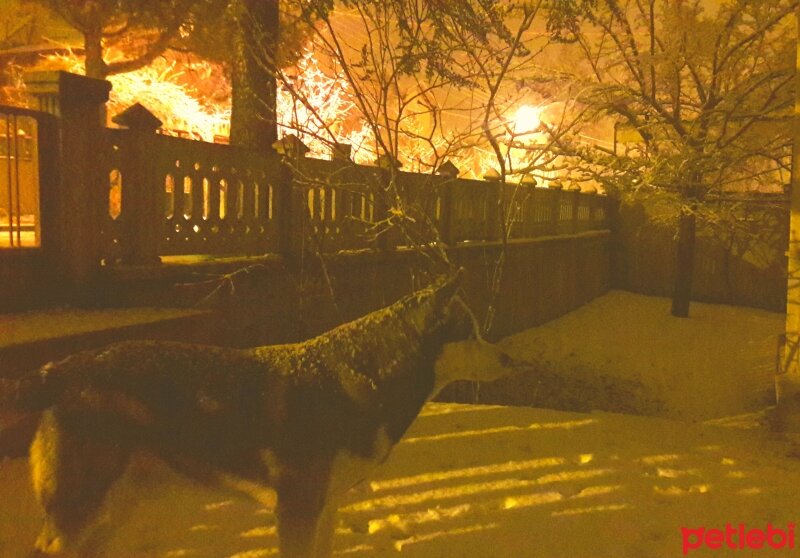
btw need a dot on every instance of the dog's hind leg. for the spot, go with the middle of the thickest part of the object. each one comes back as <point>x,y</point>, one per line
<point>326,528</point>
<point>72,468</point>
<point>302,516</point>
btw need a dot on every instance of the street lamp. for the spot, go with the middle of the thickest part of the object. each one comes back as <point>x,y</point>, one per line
<point>527,120</point>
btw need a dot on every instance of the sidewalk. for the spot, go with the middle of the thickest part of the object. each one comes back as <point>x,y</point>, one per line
<point>30,339</point>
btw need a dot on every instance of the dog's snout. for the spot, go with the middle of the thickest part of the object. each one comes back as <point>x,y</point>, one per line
<point>505,360</point>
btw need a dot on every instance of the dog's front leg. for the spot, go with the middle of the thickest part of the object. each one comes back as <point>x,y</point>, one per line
<point>302,516</point>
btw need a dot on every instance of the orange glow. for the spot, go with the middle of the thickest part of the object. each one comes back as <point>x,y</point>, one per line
<point>321,111</point>
<point>192,98</point>
<point>170,89</point>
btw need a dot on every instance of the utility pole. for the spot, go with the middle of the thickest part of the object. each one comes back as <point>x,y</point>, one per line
<point>787,383</point>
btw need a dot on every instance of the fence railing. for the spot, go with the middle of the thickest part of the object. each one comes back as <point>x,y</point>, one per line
<point>132,195</point>
<point>203,198</point>
<point>75,195</point>
<point>190,197</point>
<point>333,205</point>
<point>20,205</point>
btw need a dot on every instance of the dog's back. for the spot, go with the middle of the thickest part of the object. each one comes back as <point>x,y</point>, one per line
<point>309,418</point>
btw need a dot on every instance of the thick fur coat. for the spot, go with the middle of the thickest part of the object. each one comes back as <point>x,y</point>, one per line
<point>309,419</point>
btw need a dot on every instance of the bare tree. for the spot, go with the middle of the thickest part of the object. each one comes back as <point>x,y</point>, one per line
<point>430,82</point>
<point>144,29</point>
<point>701,96</point>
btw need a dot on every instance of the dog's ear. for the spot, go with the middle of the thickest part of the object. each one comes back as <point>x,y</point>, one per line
<point>464,323</point>
<point>447,287</point>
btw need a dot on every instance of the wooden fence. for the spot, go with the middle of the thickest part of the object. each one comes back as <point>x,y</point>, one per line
<point>739,260</point>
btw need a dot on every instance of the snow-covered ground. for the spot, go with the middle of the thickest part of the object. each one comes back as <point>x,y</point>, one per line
<point>719,362</point>
<point>488,481</point>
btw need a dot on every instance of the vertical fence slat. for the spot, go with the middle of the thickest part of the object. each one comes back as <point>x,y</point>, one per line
<point>16,177</point>
<point>8,181</point>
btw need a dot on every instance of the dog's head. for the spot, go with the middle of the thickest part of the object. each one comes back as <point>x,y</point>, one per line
<point>474,360</point>
<point>464,355</point>
<point>458,321</point>
<point>434,311</point>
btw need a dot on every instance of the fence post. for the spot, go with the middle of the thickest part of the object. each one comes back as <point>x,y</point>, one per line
<point>555,211</point>
<point>606,204</point>
<point>142,214</point>
<point>592,193</point>
<point>384,177</point>
<point>576,205</point>
<point>494,201</point>
<point>497,217</point>
<point>79,101</point>
<point>289,215</point>
<point>446,211</point>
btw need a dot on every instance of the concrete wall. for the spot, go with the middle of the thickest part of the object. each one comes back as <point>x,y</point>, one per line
<point>26,280</point>
<point>275,302</point>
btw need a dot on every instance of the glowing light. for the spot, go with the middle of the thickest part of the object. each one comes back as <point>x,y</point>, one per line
<point>661,458</point>
<point>585,458</point>
<point>260,532</point>
<point>668,473</point>
<point>565,425</point>
<point>527,120</point>
<point>399,545</point>
<point>680,491</point>
<point>592,491</point>
<point>529,500</point>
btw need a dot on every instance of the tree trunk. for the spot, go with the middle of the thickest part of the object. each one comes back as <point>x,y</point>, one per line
<point>254,88</point>
<point>93,49</point>
<point>684,267</point>
<point>93,64</point>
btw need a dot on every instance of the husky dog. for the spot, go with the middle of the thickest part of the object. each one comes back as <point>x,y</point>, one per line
<point>308,419</point>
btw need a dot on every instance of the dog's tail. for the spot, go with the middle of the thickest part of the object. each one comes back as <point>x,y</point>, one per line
<point>33,392</point>
<point>22,401</point>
